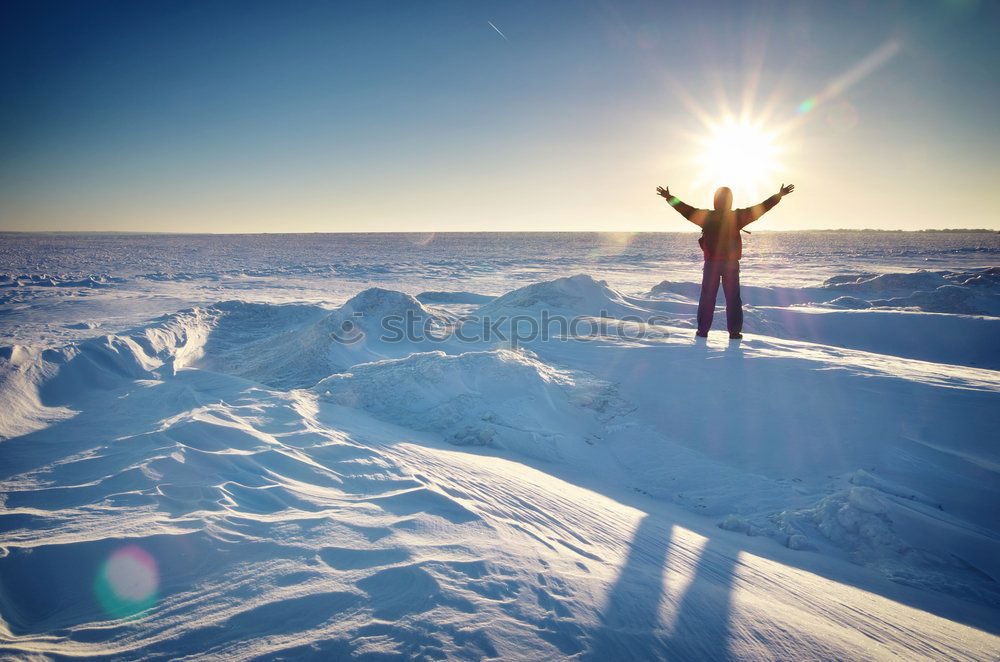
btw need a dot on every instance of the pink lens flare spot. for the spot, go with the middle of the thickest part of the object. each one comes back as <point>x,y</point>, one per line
<point>131,574</point>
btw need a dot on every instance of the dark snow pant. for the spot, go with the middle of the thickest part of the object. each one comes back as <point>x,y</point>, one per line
<point>729,272</point>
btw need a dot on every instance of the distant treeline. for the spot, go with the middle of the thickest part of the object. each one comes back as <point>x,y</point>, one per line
<point>943,230</point>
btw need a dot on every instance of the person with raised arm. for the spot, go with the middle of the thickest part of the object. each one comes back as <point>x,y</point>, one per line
<point>723,247</point>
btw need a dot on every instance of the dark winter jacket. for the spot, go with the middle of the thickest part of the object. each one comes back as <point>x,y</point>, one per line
<point>720,228</point>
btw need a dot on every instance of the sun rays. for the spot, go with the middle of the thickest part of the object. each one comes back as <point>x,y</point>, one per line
<point>753,144</point>
<point>744,148</point>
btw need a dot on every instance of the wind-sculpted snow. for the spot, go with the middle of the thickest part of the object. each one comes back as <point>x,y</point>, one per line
<point>945,299</point>
<point>499,398</point>
<point>285,346</point>
<point>903,535</point>
<point>975,292</point>
<point>986,280</point>
<point>231,522</point>
<point>249,479</point>
<point>58,280</point>
<point>291,346</point>
<point>37,385</point>
<point>279,345</point>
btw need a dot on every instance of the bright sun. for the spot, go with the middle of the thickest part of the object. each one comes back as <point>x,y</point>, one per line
<point>740,155</point>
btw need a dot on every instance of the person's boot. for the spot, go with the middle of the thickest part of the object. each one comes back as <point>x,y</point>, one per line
<point>699,334</point>
<point>735,336</point>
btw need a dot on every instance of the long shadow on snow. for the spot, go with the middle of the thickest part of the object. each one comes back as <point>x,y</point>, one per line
<point>706,603</point>
<point>632,617</point>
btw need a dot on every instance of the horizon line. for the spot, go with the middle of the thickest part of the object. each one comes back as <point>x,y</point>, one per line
<point>692,231</point>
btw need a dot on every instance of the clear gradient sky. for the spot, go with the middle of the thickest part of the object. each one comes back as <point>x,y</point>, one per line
<point>296,116</point>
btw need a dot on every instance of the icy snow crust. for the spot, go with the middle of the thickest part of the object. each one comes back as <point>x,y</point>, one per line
<point>605,498</point>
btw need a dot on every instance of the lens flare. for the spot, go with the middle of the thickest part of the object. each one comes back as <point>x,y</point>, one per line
<point>127,582</point>
<point>611,243</point>
<point>751,148</point>
<point>861,70</point>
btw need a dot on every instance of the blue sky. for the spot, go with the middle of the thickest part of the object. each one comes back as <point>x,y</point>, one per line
<point>302,116</point>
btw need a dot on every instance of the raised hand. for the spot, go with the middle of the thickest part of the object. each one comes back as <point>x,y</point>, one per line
<point>785,190</point>
<point>663,192</point>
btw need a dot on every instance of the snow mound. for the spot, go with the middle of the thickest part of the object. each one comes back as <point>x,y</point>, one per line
<point>668,287</point>
<point>501,398</point>
<point>580,295</point>
<point>974,292</point>
<point>376,302</point>
<point>373,326</point>
<point>294,346</point>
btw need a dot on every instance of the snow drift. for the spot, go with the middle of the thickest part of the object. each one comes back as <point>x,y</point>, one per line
<point>973,292</point>
<point>499,398</point>
<point>578,295</point>
<point>249,479</point>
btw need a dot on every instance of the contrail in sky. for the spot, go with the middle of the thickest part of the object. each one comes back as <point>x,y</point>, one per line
<point>498,31</point>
